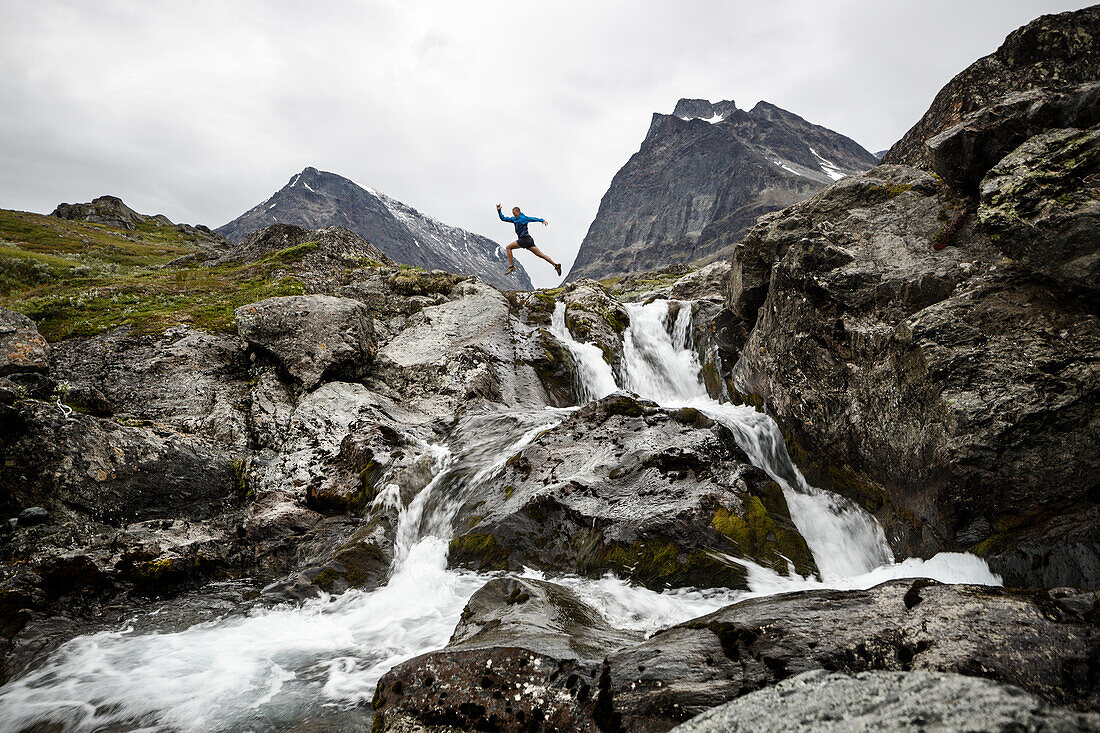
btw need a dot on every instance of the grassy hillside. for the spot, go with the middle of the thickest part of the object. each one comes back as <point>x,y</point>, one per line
<point>77,279</point>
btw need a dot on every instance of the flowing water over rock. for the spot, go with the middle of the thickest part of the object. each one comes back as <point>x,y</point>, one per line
<point>273,668</point>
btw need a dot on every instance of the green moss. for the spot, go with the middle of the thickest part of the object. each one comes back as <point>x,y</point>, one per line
<point>712,379</point>
<point>624,405</point>
<point>508,491</point>
<point>245,492</point>
<point>478,551</point>
<point>764,532</point>
<point>893,190</point>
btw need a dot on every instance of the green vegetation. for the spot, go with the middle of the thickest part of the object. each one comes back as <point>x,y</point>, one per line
<point>79,279</point>
<point>410,280</point>
<point>759,536</point>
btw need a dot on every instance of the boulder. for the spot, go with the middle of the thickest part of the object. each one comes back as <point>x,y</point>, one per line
<point>1042,642</point>
<point>662,497</point>
<point>706,283</point>
<point>457,354</point>
<point>512,664</point>
<point>593,316</point>
<point>895,701</point>
<point>311,336</point>
<point>22,349</point>
<point>526,655</point>
<point>915,370</point>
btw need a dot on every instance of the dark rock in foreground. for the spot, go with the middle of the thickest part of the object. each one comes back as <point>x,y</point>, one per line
<point>892,701</point>
<point>1045,643</point>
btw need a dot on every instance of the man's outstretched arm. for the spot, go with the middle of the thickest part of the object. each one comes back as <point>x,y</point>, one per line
<point>503,217</point>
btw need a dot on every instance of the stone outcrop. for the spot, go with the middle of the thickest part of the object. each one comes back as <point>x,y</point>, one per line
<point>667,494</point>
<point>311,335</point>
<point>316,199</point>
<point>112,212</point>
<point>895,701</point>
<point>1051,52</point>
<point>702,177</point>
<point>22,349</point>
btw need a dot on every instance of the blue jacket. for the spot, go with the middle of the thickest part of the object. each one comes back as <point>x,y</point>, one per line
<point>520,221</point>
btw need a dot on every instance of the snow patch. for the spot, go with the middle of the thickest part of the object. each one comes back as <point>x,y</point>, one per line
<point>828,167</point>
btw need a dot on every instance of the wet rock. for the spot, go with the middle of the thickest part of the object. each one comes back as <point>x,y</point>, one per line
<point>1051,52</point>
<point>593,316</point>
<point>33,515</point>
<point>110,471</point>
<point>311,335</point>
<point>1040,642</point>
<point>526,655</point>
<point>539,616</point>
<point>660,500</point>
<point>917,372</point>
<point>896,701</point>
<point>1041,206</point>
<point>706,283</point>
<point>22,349</point>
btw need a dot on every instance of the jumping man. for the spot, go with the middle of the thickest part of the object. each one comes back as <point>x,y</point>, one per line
<point>523,239</point>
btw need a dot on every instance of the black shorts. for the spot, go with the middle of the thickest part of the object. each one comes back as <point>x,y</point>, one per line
<point>526,242</point>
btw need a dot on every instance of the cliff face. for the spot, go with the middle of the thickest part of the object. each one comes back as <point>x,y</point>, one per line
<point>316,199</point>
<point>702,177</point>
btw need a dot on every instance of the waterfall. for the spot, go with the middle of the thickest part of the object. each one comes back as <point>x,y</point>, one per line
<point>267,669</point>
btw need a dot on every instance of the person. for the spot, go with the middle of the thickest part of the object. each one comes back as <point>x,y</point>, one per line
<point>524,240</point>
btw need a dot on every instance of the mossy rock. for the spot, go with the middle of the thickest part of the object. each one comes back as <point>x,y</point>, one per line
<point>763,532</point>
<point>478,551</point>
<point>656,563</point>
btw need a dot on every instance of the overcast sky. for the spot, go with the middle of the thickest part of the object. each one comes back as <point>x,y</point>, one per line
<point>202,109</point>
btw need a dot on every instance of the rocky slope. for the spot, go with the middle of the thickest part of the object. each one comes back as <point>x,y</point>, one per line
<point>702,177</point>
<point>316,199</point>
<point>112,212</point>
<point>928,342</point>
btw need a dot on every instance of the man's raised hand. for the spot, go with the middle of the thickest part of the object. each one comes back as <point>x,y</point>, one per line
<point>498,207</point>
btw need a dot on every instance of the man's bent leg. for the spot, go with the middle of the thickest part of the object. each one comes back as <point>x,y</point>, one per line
<point>509,249</point>
<point>539,253</point>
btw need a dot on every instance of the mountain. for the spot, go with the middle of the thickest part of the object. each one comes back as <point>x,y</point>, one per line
<point>316,199</point>
<point>703,175</point>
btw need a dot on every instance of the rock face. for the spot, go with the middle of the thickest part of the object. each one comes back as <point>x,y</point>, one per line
<point>896,701</point>
<point>1043,643</point>
<point>655,496</point>
<point>702,177</point>
<point>311,335</point>
<point>927,343</point>
<point>110,210</point>
<point>1050,52</point>
<point>931,385</point>
<point>22,349</point>
<point>316,199</point>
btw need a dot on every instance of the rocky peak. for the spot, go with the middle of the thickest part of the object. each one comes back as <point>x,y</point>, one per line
<point>690,109</point>
<point>692,189</point>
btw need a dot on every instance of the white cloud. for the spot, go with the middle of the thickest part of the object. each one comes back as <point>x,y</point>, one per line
<point>200,110</point>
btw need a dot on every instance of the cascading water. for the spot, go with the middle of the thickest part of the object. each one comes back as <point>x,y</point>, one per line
<point>268,669</point>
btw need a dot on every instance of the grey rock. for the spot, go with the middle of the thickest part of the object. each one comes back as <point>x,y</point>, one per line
<point>22,349</point>
<point>539,616</point>
<point>193,381</point>
<point>694,187</point>
<point>311,335</point>
<point>316,199</point>
<point>964,153</point>
<point>919,373</point>
<point>666,497</point>
<point>33,515</point>
<point>593,316</point>
<point>1052,51</point>
<point>706,283</point>
<point>895,701</point>
<point>1041,205</point>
